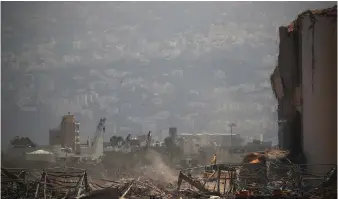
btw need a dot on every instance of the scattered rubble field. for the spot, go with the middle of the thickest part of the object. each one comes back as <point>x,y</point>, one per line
<point>225,181</point>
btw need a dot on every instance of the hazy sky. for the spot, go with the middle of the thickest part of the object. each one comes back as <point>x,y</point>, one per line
<point>144,66</point>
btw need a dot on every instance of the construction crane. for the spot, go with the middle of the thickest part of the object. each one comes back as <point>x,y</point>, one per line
<point>97,152</point>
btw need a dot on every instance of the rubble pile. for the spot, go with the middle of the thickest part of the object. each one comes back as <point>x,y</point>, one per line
<point>12,183</point>
<point>152,183</point>
<point>274,179</point>
<point>146,188</point>
<point>135,188</point>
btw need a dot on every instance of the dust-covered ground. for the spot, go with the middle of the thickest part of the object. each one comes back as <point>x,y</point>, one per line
<point>144,163</point>
<point>148,169</point>
<point>149,164</point>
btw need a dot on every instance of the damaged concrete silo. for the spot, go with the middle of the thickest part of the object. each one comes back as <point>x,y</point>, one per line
<point>304,82</point>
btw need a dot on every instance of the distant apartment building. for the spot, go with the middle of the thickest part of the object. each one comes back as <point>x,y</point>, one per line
<point>67,134</point>
<point>191,143</point>
<point>173,132</point>
<point>257,145</point>
<point>221,139</point>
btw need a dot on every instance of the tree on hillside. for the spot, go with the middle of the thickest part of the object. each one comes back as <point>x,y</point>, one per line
<point>115,140</point>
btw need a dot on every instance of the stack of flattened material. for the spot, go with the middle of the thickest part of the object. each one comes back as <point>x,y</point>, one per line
<point>253,176</point>
<point>253,173</point>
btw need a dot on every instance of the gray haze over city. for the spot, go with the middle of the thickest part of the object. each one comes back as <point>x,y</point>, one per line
<point>144,66</point>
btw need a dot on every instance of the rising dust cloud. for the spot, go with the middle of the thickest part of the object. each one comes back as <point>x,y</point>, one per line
<point>158,170</point>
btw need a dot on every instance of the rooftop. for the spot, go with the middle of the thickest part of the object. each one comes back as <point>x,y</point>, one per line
<point>40,151</point>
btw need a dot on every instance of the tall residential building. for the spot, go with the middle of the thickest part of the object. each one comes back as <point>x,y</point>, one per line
<point>173,132</point>
<point>67,134</point>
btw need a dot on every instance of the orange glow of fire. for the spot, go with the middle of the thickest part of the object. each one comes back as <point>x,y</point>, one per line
<point>255,161</point>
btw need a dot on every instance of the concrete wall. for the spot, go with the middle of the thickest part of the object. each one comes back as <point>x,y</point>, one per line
<point>40,157</point>
<point>319,90</point>
<point>190,146</point>
<point>276,84</point>
<point>285,81</point>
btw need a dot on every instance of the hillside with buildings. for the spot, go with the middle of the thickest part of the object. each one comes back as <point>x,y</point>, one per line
<point>92,60</point>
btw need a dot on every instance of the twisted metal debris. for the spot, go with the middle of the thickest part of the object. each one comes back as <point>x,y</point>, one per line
<point>13,183</point>
<point>223,180</point>
<point>275,178</point>
<point>66,182</point>
<point>135,188</point>
<point>62,183</point>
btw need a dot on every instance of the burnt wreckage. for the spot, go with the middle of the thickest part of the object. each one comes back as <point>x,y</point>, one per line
<point>69,182</point>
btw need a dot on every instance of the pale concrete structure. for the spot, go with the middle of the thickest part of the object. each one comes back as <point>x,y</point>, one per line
<point>305,85</point>
<point>67,134</point>
<point>319,89</point>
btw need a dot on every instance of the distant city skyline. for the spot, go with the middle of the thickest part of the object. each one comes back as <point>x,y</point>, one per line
<point>142,65</point>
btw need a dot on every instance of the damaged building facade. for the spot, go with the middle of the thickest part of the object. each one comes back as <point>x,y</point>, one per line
<point>67,134</point>
<point>305,85</point>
